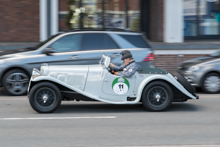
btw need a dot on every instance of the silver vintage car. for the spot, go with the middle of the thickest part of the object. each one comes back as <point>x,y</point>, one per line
<point>155,88</point>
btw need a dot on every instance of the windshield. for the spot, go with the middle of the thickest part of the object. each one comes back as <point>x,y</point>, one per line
<point>44,42</point>
<point>105,61</point>
<point>216,54</point>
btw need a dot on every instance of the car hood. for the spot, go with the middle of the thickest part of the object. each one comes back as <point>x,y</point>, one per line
<point>189,63</point>
<point>15,53</point>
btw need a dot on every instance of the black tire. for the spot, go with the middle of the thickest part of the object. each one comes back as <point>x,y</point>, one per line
<point>45,97</point>
<point>184,82</point>
<point>211,83</point>
<point>15,82</point>
<point>157,96</point>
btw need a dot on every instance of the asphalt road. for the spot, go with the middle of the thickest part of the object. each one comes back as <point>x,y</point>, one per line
<point>195,122</point>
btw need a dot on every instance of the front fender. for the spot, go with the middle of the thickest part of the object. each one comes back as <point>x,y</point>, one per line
<point>51,79</point>
<point>169,78</point>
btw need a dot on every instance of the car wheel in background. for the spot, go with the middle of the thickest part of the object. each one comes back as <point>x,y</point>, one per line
<point>157,96</point>
<point>45,97</point>
<point>211,83</point>
<point>15,82</point>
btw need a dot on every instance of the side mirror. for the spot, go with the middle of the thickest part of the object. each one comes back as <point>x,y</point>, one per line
<point>48,51</point>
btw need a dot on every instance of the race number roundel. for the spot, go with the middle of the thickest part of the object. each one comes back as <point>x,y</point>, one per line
<point>120,85</point>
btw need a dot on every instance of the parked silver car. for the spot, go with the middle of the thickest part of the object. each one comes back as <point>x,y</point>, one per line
<point>71,48</point>
<point>203,72</point>
<point>155,88</point>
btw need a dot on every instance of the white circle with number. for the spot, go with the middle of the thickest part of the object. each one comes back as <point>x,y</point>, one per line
<point>120,88</point>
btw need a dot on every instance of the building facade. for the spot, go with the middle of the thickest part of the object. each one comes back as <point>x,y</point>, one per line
<point>170,21</point>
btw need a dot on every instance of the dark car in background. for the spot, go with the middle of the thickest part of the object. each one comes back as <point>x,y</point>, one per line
<point>203,72</point>
<point>71,48</point>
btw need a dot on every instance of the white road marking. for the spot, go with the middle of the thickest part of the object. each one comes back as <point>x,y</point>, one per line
<point>57,118</point>
<point>173,146</point>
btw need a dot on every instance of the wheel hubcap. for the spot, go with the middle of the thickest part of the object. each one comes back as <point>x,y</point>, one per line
<point>157,96</point>
<point>45,97</point>
<point>17,83</point>
<point>212,83</point>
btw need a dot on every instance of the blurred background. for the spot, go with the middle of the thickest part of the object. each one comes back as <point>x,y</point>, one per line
<point>177,29</point>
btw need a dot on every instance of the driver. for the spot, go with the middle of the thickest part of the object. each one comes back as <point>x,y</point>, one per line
<point>128,67</point>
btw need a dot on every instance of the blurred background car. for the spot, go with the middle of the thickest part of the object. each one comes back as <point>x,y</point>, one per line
<point>203,72</point>
<point>71,48</point>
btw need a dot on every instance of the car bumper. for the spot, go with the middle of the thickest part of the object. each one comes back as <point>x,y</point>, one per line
<point>192,77</point>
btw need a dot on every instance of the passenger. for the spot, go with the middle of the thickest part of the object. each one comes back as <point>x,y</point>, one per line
<point>128,67</point>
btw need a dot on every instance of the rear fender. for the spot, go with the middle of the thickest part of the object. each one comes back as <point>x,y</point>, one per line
<point>169,78</point>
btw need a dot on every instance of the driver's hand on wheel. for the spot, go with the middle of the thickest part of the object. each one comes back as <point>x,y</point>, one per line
<point>111,65</point>
<point>116,73</point>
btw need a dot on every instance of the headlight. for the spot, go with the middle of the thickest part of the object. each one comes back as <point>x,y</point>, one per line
<point>35,73</point>
<point>193,68</point>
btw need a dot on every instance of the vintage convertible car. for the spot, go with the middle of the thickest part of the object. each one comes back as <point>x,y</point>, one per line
<point>155,88</point>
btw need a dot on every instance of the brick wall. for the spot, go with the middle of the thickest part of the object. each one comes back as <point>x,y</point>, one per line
<point>170,62</point>
<point>156,20</point>
<point>19,20</point>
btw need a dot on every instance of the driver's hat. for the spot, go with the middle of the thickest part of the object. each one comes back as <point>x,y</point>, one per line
<point>125,54</point>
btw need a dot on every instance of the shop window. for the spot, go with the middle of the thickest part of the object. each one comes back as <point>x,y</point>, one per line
<point>209,17</point>
<point>190,17</point>
<point>114,14</point>
<point>91,13</point>
<point>201,18</point>
<point>134,15</point>
<point>122,14</point>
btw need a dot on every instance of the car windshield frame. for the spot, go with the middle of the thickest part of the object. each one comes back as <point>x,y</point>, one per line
<point>104,61</point>
<point>40,44</point>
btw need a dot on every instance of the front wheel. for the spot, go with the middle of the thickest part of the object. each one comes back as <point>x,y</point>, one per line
<point>15,82</point>
<point>45,97</point>
<point>211,83</point>
<point>157,96</point>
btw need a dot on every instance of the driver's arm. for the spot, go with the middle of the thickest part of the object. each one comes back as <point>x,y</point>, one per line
<point>129,72</point>
<point>117,68</point>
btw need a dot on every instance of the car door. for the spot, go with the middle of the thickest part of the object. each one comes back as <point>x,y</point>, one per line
<point>118,86</point>
<point>66,52</point>
<point>95,44</point>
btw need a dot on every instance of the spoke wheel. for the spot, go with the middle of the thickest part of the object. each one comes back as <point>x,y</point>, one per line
<point>45,97</point>
<point>157,96</point>
<point>16,82</point>
<point>211,83</point>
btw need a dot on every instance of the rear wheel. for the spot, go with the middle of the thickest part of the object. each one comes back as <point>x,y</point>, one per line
<point>15,82</point>
<point>157,96</point>
<point>211,83</point>
<point>45,97</point>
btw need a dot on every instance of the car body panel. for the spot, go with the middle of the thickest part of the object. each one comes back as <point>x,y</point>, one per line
<point>196,77</point>
<point>100,84</point>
